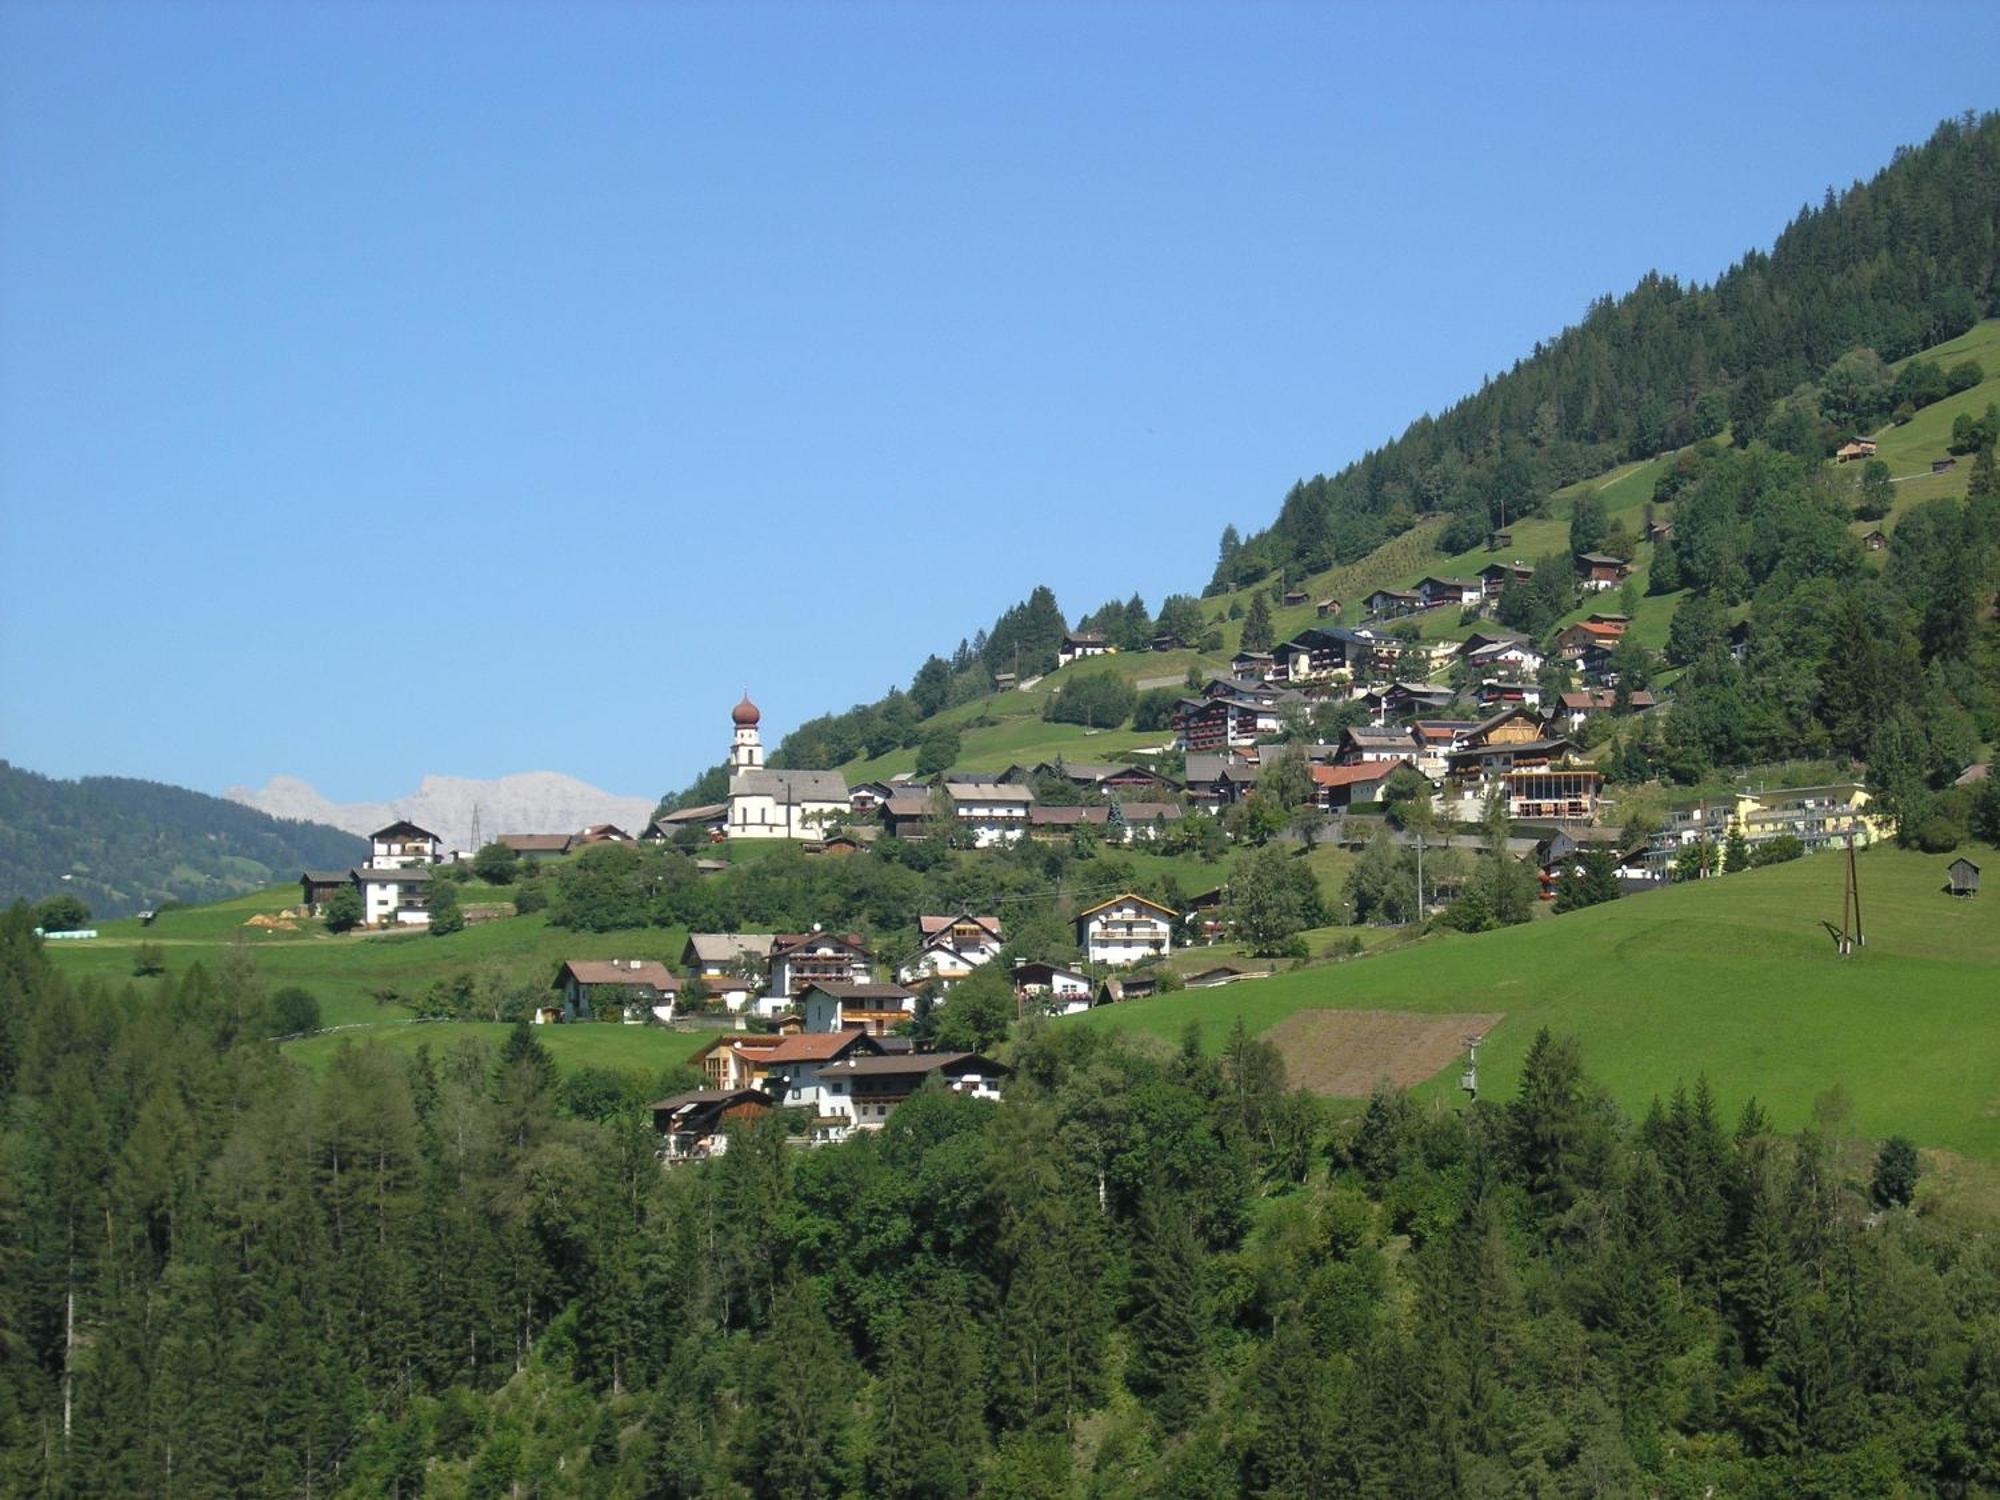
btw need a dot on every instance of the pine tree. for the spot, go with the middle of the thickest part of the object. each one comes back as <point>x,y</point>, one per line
<point>1735,851</point>
<point>1169,1322</point>
<point>1257,630</point>
<point>797,1447</point>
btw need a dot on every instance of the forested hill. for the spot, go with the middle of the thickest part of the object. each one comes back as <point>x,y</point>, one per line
<point>126,844</point>
<point>1905,261</point>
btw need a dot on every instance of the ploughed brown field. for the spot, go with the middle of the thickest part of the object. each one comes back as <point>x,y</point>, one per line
<point>1346,1052</point>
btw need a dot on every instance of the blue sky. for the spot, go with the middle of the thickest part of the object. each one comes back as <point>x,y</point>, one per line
<point>472,389</point>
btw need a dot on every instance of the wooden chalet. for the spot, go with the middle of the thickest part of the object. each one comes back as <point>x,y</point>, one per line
<point>1962,877</point>
<point>1853,449</point>
<point>1327,609</point>
<point>693,1125</point>
<point>1600,570</point>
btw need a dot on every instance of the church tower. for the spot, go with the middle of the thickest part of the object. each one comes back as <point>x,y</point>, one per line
<point>746,749</point>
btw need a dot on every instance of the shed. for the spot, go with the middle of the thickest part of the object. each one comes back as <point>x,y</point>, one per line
<point>1964,877</point>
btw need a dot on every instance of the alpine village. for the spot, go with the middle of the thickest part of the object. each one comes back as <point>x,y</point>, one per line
<point>1489,996</point>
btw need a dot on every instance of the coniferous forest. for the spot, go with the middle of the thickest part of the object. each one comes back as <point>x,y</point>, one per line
<point>1145,1273</point>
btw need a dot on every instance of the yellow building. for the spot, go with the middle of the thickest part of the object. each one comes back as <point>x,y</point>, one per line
<point>1814,815</point>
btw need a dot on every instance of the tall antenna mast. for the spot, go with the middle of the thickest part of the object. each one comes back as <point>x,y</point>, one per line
<point>476,843</point>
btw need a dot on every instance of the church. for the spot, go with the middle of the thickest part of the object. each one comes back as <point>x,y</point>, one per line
<point>768,804</point>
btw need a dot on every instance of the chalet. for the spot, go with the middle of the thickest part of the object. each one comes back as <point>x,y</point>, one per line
<point>602,833</point>
<point>1090,776</point>
<point>1224,722</point>
<point>394,897</point>
<point>732,966</point>
<point>1494,694</point>
<point>1562,853</point>
<point>710,818</point>
<point>874,1008</point>
<point>1295,598</point>
<point>1219,780</point>
<point>1137,987</point>
<point>1361,744</point>
<point>1168,641</point>
<point>793,1073</point>
<point>868,1088</point>
<point>1572,641</point>
<point>1658,531</point>
<point>316,888</point>
<point>1005,682</point>
<point>995,812</point>
<point>1125,930</point>
<point>1610,618</point>
<point>1510,754</point>
<point>1502,659</point>
<point>538,846</point>
<point>1049,824</point>
<point>1854,448</point>
<point>1205,913</point>
<point>864,799</point>
<point>404,846</point>
<point>1963,877</point>
<point>1327,609</point>
<point>637,988</point>
<point>800,960</point>
<point>1399,700</point>
<point>1574,710</point>
<point>1390,604</point>
<point>903,816</point>
<point>1338,787</point>
<point>1496,576</point>
<point>1596,571</point>
<point>1077,645</point>
<point>1499,541</point>
<point>1875,540</point>
<point>1321,652</point>
<point>1256,665</point>
<point>1052,988</point>
<point>847,841</point>
<point>950,948</point>
<point>695,1124</point>
<point>1436,592</point>
<point>1143,822</point>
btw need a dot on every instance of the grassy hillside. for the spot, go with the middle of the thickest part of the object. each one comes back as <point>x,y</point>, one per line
<point>348,973</point>
<point>1733,977</point>
<point>1909,449</point>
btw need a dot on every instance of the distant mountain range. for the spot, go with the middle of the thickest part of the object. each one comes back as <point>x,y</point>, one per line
<point>122,845</point>
<point>530,802</point>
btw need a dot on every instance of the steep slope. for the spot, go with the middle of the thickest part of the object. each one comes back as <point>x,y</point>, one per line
<point>122,845</point>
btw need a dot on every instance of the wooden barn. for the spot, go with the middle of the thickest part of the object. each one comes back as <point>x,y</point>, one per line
<point>1964,877</point>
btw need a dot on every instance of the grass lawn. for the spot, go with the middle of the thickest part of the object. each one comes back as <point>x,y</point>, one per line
<point>1909,449</point>
<point>1732,977</point>
<point>646,1049</point>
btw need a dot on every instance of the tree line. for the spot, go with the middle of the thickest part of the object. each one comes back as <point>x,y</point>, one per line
<point>1152,1270</point>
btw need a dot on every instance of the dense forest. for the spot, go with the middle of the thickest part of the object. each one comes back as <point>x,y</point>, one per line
<point>120,845</point>
<point>1146,1272</point>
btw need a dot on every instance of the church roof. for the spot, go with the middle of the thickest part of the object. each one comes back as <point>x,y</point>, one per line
<point>789,786</point>
<point>746,712</point>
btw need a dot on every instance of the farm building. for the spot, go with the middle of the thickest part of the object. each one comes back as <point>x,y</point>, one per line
<point>1964,877</point>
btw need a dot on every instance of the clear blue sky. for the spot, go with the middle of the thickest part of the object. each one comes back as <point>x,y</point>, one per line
<point>469,389</point>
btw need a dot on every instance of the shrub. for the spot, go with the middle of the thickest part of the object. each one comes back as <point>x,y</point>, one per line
<point>343,910</point>
<point>496,864</point>
<point>62,914</point>
<point>1896,1170</point>
<point>531,898</point>
<point>148,959</point>
<point>294,1010</point>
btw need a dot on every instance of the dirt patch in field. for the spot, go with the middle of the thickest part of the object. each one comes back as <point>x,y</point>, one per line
<point>1346,1052</point>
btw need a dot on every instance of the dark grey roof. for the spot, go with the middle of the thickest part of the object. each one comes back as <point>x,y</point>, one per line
<point>414,876</point>
<point>327,877</point>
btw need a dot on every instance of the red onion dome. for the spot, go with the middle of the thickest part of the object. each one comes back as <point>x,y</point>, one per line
<point>745,713</point>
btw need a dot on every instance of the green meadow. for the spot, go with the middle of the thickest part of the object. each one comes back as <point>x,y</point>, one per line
<point>1734,978</point>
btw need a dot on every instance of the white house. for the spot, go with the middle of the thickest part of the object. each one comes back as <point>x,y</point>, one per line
<point>768,804</point>
<point>874,1008</point>
<point>1060,991</point>
<point>638,987</point>
<point>951,948</point>
<point>394,897</point>
<point>1125,930</point>
<point>801,960</point>
<point>870,1088</point>
<point>996,812</point>
<point>1079,644</point>
<point>793,1075</point>
<point>403,846</point>
<point>731,965</point>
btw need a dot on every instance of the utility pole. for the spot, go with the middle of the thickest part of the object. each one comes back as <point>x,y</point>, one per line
<point>1420,874</point>
<point>1854,886</point>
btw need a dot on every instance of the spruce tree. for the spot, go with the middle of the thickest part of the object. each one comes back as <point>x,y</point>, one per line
<point>1169,1322</point>
<point>1257,630</point>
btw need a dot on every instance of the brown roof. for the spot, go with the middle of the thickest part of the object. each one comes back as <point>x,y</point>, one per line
<point>1379,770</point>
<point>1066,817</point>
<point>812,1046</point>
<point>908,807</point>
<point>784,942</point>
<point>932,926</point>
<point>914,1063</point>
<point>1146,812</point>
<point>534,843</point>
<point>1120,900</point>
<point>619,971</point>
